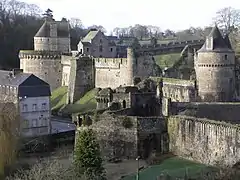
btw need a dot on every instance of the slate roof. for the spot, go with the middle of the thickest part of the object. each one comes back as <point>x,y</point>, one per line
<point>28,84</point>
<point>86,43</point>
<point>91,34</point>
<point>226,38</point>
<point>112,38</point>
<point>219,43</point>
<point>63,29</point>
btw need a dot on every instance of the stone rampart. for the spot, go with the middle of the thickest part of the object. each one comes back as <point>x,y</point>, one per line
<point>44,64</point>
<point>178,90</point>
<point>35,55</point>
<point>207,141</point>
<point>110,63</point>
<point>220,111</point>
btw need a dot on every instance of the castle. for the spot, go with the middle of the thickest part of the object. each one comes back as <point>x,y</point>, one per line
<point>166,114</point>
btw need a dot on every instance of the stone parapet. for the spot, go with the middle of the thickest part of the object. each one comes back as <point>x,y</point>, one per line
<point>110,62</point>
<point>31,54</point>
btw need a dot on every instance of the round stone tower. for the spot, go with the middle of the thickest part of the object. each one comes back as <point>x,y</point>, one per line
<point>50,42</point>
<point>215,69</point>
<point>131,63</point>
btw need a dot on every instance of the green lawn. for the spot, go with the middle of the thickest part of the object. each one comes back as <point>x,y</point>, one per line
<point>86,103</point>
<point>175,167</point>
<point>167,60</point>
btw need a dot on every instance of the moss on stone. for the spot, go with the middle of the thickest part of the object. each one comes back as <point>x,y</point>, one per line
<point>127,122</point>
<point>172,80</point>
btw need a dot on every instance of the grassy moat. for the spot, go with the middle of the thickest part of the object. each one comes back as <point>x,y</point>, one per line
<point>175,167</point>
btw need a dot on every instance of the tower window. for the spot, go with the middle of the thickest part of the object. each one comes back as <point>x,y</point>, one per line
<point>87,49</point>
<point>225,57</point>
<point>111,49</point>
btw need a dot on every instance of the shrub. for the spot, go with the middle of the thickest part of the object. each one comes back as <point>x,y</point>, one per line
<point>46,170</point>
<point>126,122</point>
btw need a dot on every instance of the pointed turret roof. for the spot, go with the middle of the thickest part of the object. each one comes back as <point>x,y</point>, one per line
<point>219,43</point>
<point>63,28</point>
<point>227,40</point>
<point>44,31</point>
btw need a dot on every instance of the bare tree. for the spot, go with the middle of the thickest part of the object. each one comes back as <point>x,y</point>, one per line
<point>228,19</point>
<point>9,134</point>
<point>76,23</point>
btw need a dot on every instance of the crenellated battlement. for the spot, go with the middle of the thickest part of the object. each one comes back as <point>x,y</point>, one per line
<point>31,54</point>
<point>114,63</point>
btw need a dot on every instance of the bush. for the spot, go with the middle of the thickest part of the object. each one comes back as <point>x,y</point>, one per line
<point>126,122</point>
<point>88,159</point>
<point>46,170</point>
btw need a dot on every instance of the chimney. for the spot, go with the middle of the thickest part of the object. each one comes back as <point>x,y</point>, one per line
<point>16,71</point>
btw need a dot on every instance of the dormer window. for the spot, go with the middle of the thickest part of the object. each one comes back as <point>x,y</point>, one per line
<point>209,43</point>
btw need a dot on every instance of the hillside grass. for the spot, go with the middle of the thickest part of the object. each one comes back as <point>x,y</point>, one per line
<point>166,60</point>
<point>175,167</point>
<point>84,104</point>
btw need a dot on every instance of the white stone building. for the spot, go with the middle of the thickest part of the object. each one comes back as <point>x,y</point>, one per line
<point>32,97</point>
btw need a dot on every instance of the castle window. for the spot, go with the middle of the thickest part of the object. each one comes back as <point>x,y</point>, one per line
<point>100,40</point>
<point>87,49</point>
<point>225,57</point>
<point>100,48</point>
<point>111,49</point>
<point>34,107</point>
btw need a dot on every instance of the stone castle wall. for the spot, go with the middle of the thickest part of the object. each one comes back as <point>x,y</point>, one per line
<point>110,72</point>
<point>129,142</point>
<point>207,141</point>
<point>178,90</point>
<point>81,78</point>
<point>44,64</point>
<point>113,72</point>
<point>212,110</point>
<point>215,74</point>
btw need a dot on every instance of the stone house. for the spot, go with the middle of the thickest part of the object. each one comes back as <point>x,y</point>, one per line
<point>32,98</point>
<point>96,44</point>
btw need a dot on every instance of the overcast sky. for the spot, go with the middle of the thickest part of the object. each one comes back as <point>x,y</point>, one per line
<point>172,14</point>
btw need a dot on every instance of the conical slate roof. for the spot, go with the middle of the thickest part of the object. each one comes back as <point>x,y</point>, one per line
<point>63,29</point>
<point>219,43</point>
<point>226,38</point>
<point>44,31</point>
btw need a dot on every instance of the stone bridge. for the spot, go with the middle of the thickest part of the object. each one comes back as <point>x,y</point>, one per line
<point>173,47</point>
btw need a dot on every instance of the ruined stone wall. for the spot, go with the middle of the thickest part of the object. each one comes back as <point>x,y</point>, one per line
<point>116,141</point>
<point>123,99</point>
<point>203,140</point>
<point>145,66</point>
<point>179,90</point>
<point>213,110</point>
<point>119,141</point>
<point>44,64</point>
<point>215,74</point>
